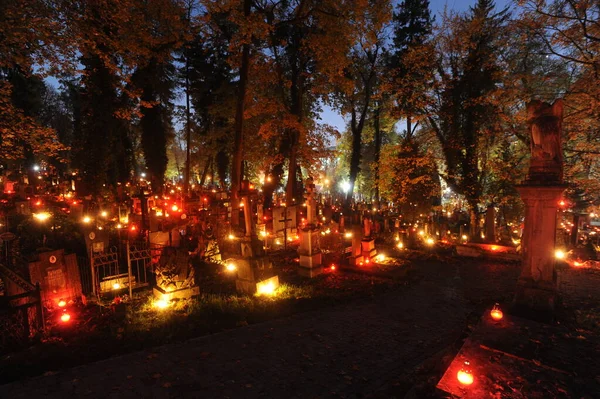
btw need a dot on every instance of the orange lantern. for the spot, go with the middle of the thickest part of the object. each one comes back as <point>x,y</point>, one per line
<point>465,375</point>
<point>496,312</point>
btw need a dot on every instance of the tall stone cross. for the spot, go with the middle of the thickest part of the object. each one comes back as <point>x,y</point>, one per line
<point>311,212</point>
<point>285,220</point>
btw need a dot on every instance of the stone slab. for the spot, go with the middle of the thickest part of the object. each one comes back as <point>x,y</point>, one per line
<point>520,358</point>
<point>182,293</point>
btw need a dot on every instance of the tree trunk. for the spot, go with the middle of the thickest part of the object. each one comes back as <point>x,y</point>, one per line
<point>188,130</point>
<point>238,149</point>
<point>270,186</point>
<point>354,158</point>
<point>205,171</point>
<point>377,128</point>
<point>408,137</point>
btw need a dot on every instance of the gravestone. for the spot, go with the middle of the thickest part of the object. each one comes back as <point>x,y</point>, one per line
<point>536,292</point>
<point>175,275</point>
<point>253,266</point>
<point>368,241</point>
<point>490,224</point>
<point>356,256</point>
<point>58,275</point>
<point>9,187</point>
<point>284,219</point>
<point>310,264</point>
<point>96,240</point>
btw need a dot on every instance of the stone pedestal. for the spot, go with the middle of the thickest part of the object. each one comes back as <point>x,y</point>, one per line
<point>310,253</point>
<point>356,257</point>
<point>536,292</point>
<point>367,246</point>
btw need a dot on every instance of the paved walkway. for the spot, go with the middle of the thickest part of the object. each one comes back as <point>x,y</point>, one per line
<point>345,351</point>
<point>349,351</point>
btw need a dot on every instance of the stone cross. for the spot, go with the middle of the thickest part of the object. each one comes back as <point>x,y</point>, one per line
<point>311,214</point>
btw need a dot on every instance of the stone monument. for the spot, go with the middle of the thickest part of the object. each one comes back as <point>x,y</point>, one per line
<point>175,275</point>
<point>356,256</point>
<point>254,268</point>
<point>536,292</point>
<point>310,253</point>
<point>368,241</point>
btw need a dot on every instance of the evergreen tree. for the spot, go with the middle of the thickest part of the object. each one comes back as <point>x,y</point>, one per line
<point>467,118</point>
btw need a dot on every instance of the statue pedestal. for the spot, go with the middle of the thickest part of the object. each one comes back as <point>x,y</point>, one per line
<point>536,292</point>
<point>367,246</point>
<point>310,253</point>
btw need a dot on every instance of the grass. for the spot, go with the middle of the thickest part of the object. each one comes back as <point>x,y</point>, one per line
<point>98,331</point>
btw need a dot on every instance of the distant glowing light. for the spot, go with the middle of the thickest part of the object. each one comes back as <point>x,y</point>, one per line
<point>86,219</point>
<point>464,237</point>
<point>345,186</point>
<point>62,303</point>
<point>421,232</point>
<point>231,236</point>
<point>65,317</point>
<point>348,235</point>
<point>430,241</point>
<point>380,258</point>
<point>559,254</point>
<point>116,286</point>
<point>400,245</point>
<point>36,167</point>
<point>174,208</point>
<point>332,267</point>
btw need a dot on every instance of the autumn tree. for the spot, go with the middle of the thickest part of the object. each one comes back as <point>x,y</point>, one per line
<point>411,62</point>
<point>569,33</point>
<point>163,23</point>
<point>464,120</point>
<point>30,35</point>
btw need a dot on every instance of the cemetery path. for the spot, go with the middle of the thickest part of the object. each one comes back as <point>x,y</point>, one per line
<point>347,351</point>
